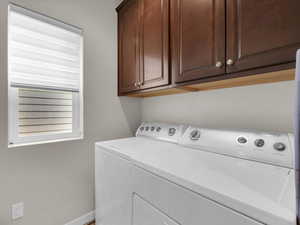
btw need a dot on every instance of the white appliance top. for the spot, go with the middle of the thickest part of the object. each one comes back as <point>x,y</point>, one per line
<point>272,148</point>
<point>262,191</point>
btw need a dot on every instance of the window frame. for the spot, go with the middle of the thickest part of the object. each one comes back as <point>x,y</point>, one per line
<point>77,97</point>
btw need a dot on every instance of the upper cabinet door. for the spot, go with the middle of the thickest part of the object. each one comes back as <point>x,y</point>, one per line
<point>261,33</point>
<point>128,47</point>
<point>198,39</point>
<point>154,43</point>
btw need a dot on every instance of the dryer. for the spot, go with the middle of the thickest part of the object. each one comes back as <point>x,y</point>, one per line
<point>176,174</point>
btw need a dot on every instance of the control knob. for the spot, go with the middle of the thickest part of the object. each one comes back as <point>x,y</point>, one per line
<point>195,135</point>
<point>172,131</point>
<point>242,140</point>
<point>259,143</point>
<point>279,146</point>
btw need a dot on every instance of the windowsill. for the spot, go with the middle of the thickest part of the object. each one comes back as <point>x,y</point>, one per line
<point>44,142</point>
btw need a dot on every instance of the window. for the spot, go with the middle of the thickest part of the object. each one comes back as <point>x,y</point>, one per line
<point>44,78</point>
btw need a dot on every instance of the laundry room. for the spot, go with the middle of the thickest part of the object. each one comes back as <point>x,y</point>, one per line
<point>143,112</point>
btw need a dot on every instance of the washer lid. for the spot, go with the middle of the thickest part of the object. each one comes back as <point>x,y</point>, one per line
<point>261,191</point>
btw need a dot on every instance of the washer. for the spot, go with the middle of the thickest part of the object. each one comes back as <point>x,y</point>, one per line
<point>174,174</point>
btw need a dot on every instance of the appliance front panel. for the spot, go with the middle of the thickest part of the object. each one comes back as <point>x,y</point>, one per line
<point>113,189</point>
<point>182,205</point>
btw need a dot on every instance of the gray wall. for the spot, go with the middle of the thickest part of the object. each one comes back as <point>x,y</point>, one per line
<point>268,107</point>
<point>55,181</point>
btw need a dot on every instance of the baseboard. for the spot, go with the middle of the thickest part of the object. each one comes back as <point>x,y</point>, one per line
<point>87,218</point>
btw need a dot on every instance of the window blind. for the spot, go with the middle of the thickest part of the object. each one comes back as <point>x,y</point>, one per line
<point>44,75</point>
<point>44,112</point>
<point>43,52</point>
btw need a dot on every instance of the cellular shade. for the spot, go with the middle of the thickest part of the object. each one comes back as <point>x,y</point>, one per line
<point>44,111</point>
<point>43,52</point>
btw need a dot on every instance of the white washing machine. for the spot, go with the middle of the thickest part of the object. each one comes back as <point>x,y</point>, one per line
<point>178,175</point>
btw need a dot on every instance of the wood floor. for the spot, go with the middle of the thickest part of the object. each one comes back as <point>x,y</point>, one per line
<point>92,223</point>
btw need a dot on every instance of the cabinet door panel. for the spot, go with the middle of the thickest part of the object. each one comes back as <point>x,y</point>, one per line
<point>154,37</point>
<point>128,47</point>
<point>262,32</point>
<point>198,38</point>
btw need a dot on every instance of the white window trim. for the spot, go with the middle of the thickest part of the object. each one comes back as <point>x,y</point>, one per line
<point>78,113</point>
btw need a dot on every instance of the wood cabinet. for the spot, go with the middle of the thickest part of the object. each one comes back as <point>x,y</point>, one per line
<point>198,39</point>
<point>254,34</point>
<point>143,44</point>
<point>128,48</point>
<point>154,43</point>
<point>261,33</point>
<point>175,43</point>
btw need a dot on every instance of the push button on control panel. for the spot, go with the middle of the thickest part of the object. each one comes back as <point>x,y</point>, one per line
<point>172,131</point>
<point>259,143</point>
<point>279,146</point>
<point>242,140</point>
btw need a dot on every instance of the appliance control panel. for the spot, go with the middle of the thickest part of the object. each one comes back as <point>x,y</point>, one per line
<point>272,148</point>
<point>162,131</point>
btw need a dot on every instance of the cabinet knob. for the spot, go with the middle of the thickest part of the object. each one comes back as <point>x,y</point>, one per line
<point>229,62</point>
<point>219,64</point>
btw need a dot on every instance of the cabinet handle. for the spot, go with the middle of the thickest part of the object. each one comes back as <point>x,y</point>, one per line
<point>219,64</point>
<point>229,62</point>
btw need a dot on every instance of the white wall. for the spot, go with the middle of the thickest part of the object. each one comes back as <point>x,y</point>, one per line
<point>56,181</point>
<point>268,107</point>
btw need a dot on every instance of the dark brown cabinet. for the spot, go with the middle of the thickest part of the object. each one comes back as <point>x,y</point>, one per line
<point>182,43</point>
<point>198,39</point>
<point>143,44</point>
<point>261,33</point>
<point>128,47</point>
<point>154,43</point>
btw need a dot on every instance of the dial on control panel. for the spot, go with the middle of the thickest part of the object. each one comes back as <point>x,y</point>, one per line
<point>195,135</point>
<point>279,146</point>
<point>242,140</point>
<point>259,143</point>
<point>172,131</point>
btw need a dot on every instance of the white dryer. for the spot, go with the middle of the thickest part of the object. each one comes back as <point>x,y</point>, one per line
<point>172,174</point>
